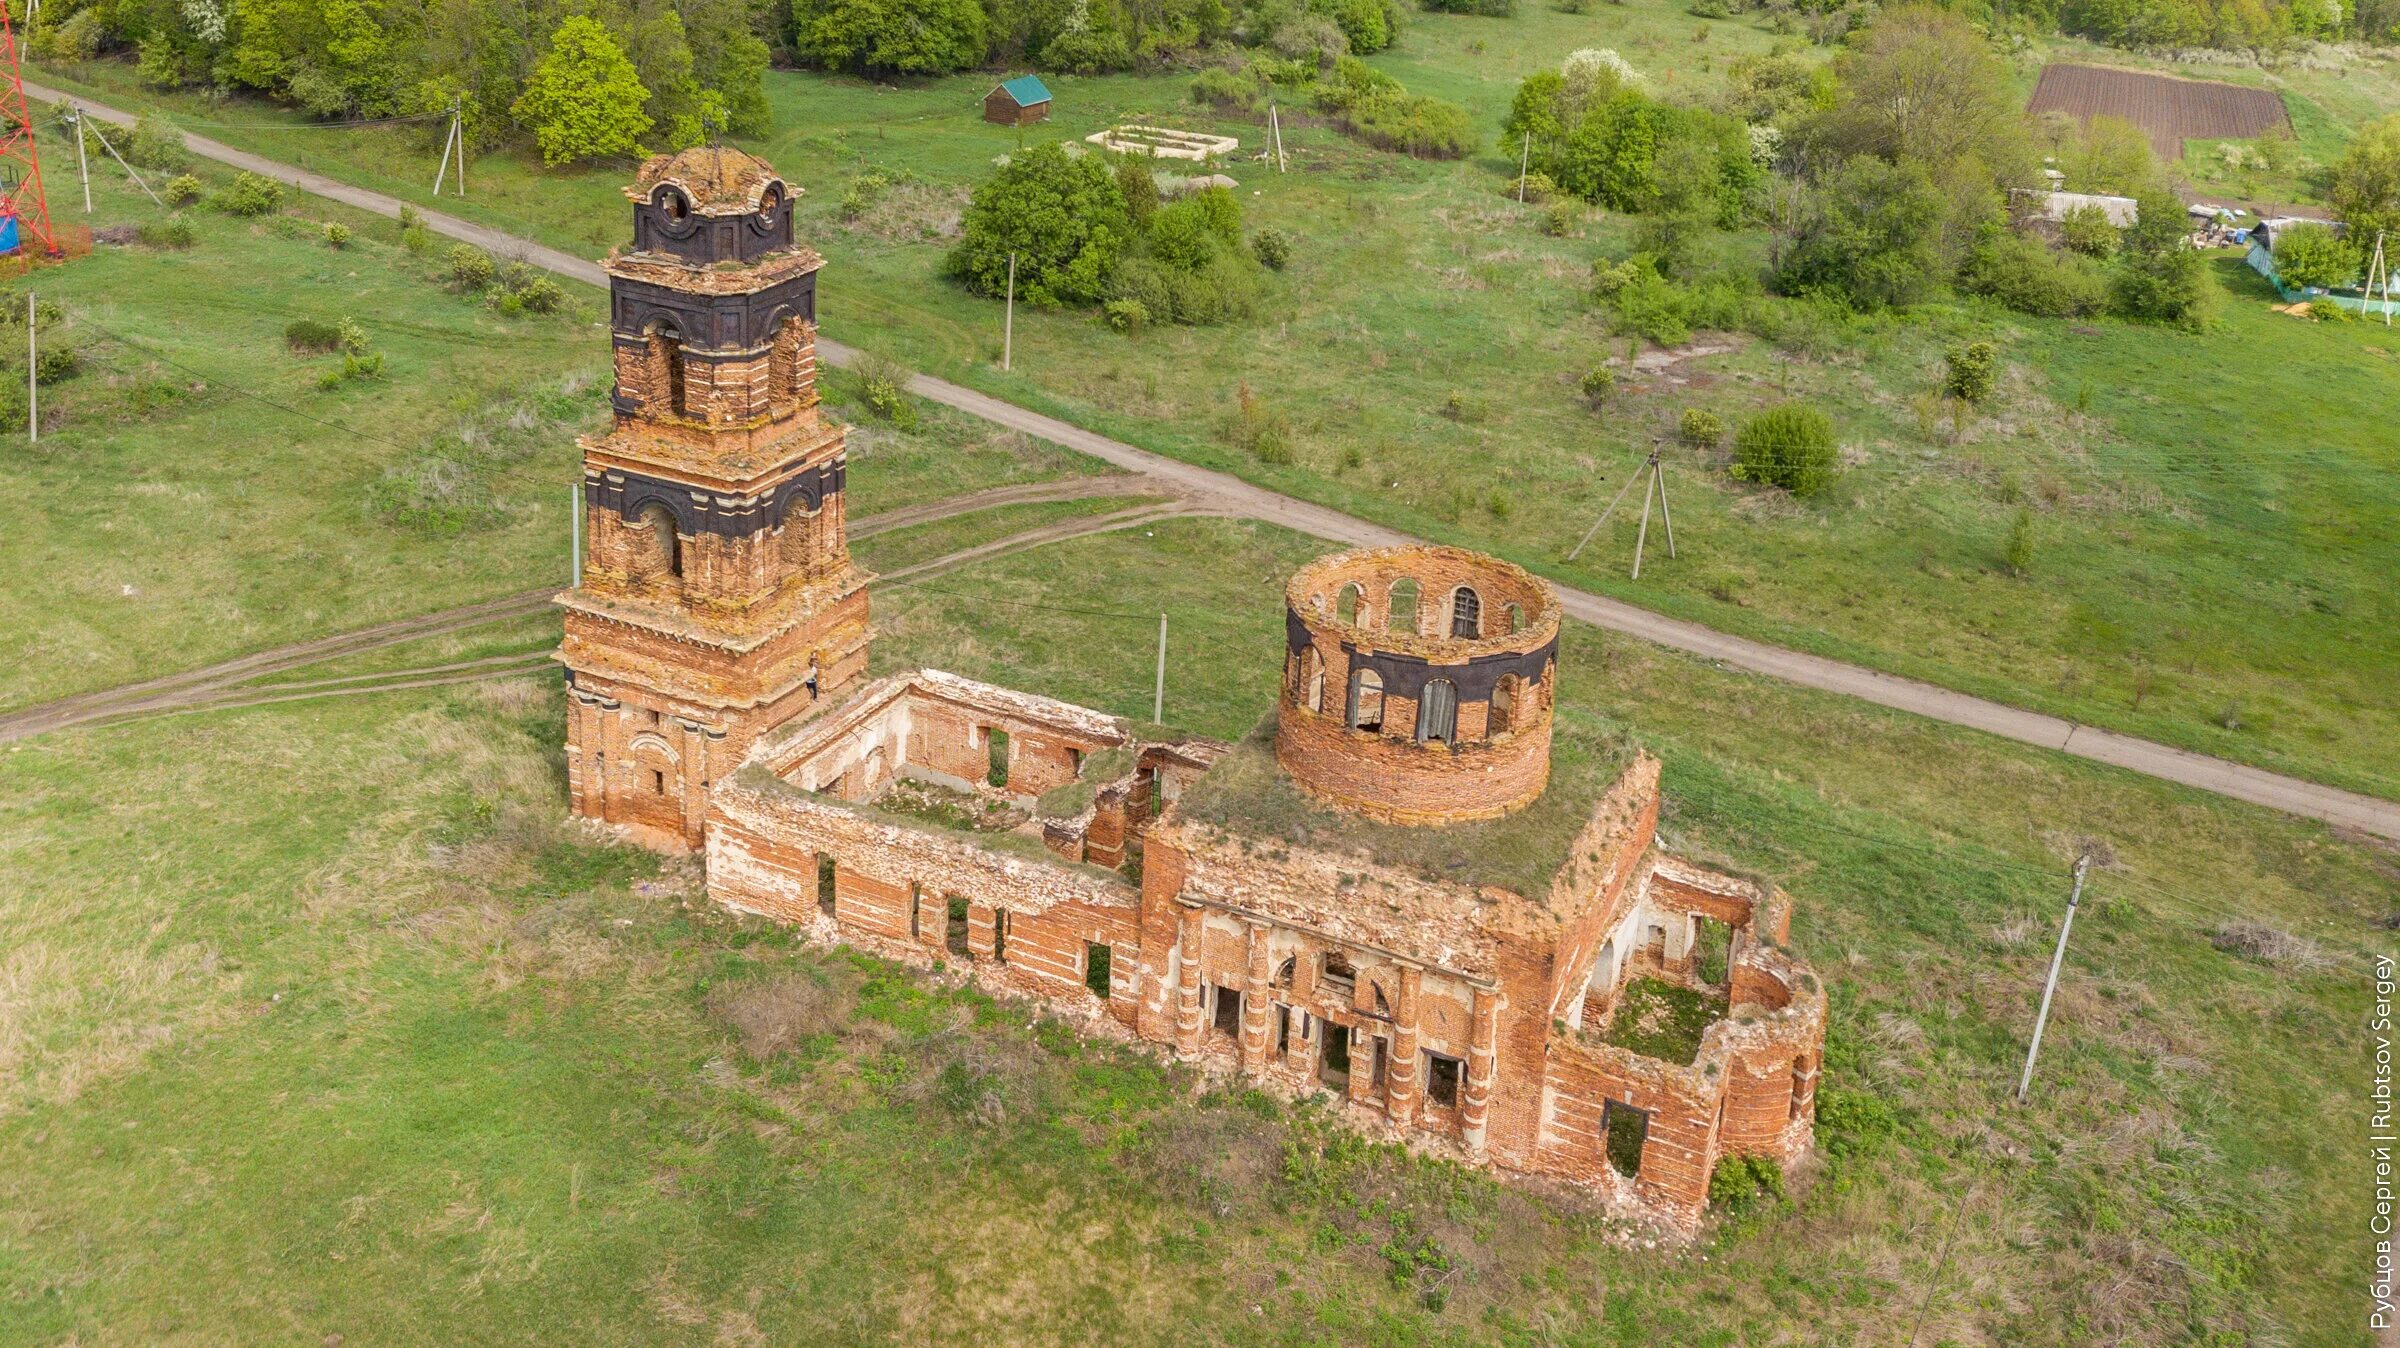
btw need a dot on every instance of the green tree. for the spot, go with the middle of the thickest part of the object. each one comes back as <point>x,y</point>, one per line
<point>584,100</point>
<point>1870,238</point>
<point>2313,255</point>
<point>1925,85</point>
<point>2157,277</point>
<point>1064,218</point>
<point>2110,155</point>
<point>890,37</point>
<point>2366,182</point>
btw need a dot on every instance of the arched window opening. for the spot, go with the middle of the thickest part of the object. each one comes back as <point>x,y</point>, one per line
<point>783,364</point>
<point>1403,615</point>
<point>1504,705</point>
<point>674,204</point>
<point>1366,700</point>
<point>1339,977</point>
<point>1312,679</point>
<point>657,552</point>
<point>666,364</point>
<point>1284,972</point>
<point>1516,617</point>
<point>1466,613</point>
<point>799,541</point>
<point>1350,605</point>
<point>1437,713</point>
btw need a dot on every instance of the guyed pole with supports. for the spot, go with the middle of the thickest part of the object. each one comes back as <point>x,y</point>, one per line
<point>2057,957</point>
<point>2379,268</point>
<point>102,137</point>
<point>1008,324</point>
<point>454,144</point>
<point>83,166</point>
<point>1158,695</point>
<point>1654,488</point>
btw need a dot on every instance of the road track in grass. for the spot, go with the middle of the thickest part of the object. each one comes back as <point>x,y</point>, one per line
<point>1222,493</point>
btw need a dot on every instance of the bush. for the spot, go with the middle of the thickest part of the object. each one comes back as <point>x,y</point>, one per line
<point>416,238</point>
<point>1558,218</point>
<point>2313,257</point>
<point>1701,430</point>
<point>1223,289</point>
<point>251,194</point>
<point>1537,187</point>
<point>1272,248</point>
<point>337,235</point>
<point>1259,428</point>
<point>2087,230</point>
<point>1065,219</point>
<point>1870,238</point>
<point>1596,385</point>
<point>174,232</point>
<point>353,368</point>
<point>1126,316</point>
<point>2031,277</point>
<point>181,190</point>
<point>1740,1182</point>
<point>540,295</point>
<point>1494,9</point>
<point>883,385</point>
<point>350,337</point>
<point>1971,371</point>
<point>1413,124</point>
<point>307,336</point>
<point>1853,1123</point>
<point>1230,90</point>
<point>2324,310</point>
<point>1139,188</point>
<point>55,362</point>
<point>2018,554</point>
<point>154,143</point>
<point>1790,446</point>
<point>470,268</point>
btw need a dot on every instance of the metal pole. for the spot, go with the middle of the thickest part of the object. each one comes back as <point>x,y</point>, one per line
<point>83,167</point>
<point>1666,516</point>
<point>1008,329</point>
<point>1644,536</point>
<point>575,513</point>
<point>2057,957</point>
<point>1524,160</point>
<point>33,359</point>
<point>1158,699</point>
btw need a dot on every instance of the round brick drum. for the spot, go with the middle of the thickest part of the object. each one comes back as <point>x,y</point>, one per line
<point>1418,684</point>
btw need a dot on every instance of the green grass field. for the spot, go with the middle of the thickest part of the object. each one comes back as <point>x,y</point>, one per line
<point>2214,515</point>
<point>320,1020</point>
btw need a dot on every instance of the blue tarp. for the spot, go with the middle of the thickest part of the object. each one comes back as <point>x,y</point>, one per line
<point>8,234</point>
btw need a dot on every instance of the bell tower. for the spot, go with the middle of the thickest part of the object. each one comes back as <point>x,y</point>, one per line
<point>717,598</point>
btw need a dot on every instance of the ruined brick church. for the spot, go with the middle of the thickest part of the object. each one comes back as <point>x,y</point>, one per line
<point>1417,888</point>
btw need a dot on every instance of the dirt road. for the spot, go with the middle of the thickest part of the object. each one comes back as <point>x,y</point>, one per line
<point>1226,494</point>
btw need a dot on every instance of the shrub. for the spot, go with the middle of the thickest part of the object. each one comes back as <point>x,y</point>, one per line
<point>337,235</point>
<point>1970,371</point>
<point>154,143</point>
<point>1065,219</point>
<point>55,362</point>
<point>1494,9</point>
<point>352,369</point>
<point>310,337</point>
<point>1853,1123</point>
<point>2314,257</point>
<point>1699,429</point>
<point>1537,187</point>
<point>1230,90</point>
<point>2325,310</point>
<point>1790,446</point>
<point>1259,428</point>
<point>416,238</point>
<point>350,337</point>
<point>1126,316</point>
<point>1139,188</point>
<point>1413,124</point>
<point>1223,289</point>
<point>2018,554</point>
<point>1558,218</point>
<point>883,385</point>
<point>173,232</point>
<point>2031,277</point>
<point>540,295</point>
<point>181,190</point>
<point>1609,279</point>
<point>1596,385</point>
<point>470,268</point>
<point>1740,1182</point>
<point>251,194</point>
<point>2087,230</point>
<point>1272,248</point>
<point>1870,238</point>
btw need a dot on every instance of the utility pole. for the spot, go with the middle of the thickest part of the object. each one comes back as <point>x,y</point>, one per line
<point>1275,125</point>
<point>33,361</point>
<point>454,139</point>
<point>1654,486</point>
<point>1158,698</point>
<point>83,167</point>
<point>102,137</point>
<point>575,513</point>
<point>2057,957</point>
<point>1008,326</point>
<point>1524,161</point>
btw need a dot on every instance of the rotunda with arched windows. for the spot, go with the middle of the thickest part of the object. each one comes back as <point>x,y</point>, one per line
<point>1418,683</point>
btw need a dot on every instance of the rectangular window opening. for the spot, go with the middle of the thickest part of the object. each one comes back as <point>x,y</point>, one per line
<point>955,935</point>
<point>1441,1079</point>
<point>1623,1130</point>
<point>1096,961</point>
<point>1283,1031</point>
<point>916,911</point>
<point>1000,935</point>
<point>825,883</point>
<point>1229,1012</point>
<point>1334,1071</point>
<point>658,782</point>
<point>995,741</point>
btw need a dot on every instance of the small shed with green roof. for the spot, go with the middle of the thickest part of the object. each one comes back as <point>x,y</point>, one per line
<point>1018,102</point>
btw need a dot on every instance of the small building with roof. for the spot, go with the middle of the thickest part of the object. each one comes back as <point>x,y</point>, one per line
<point>1018,102</point>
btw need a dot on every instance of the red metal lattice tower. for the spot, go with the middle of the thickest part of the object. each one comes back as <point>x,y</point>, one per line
<point>23,198</point>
